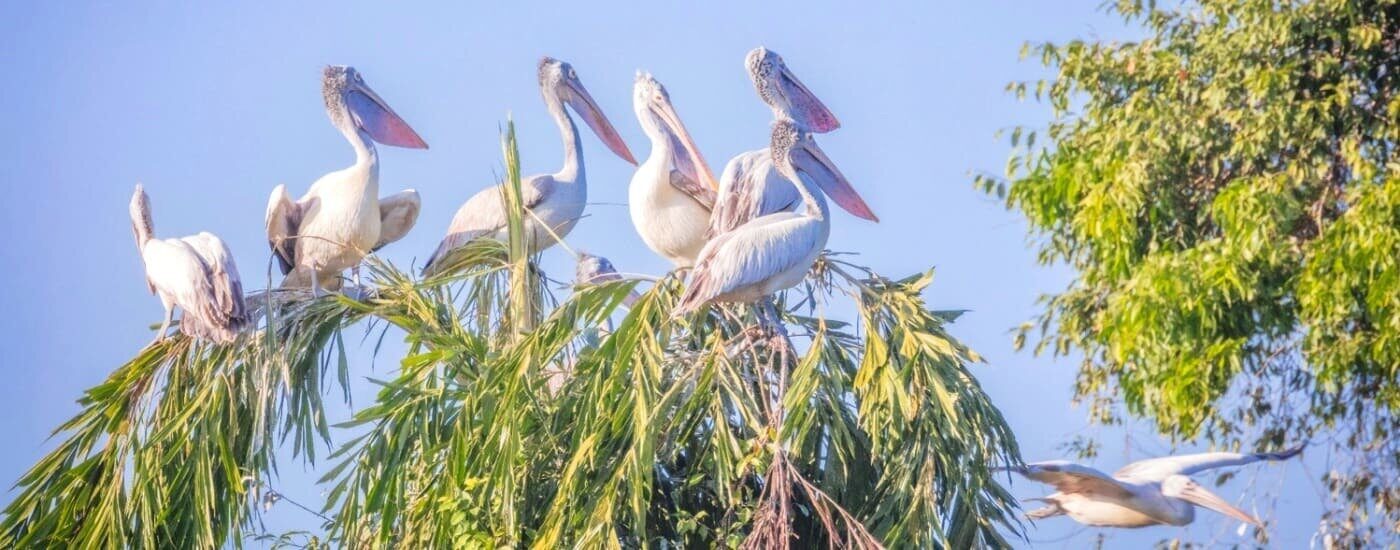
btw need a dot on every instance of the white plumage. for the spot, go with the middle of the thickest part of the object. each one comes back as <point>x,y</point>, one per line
<point>1156,491</point>
<point>750,186</point>
<point>195,273</point>
<point>773,252</point>
<point>556,199</point>
<point>672,191</point>
<point>341,218</point>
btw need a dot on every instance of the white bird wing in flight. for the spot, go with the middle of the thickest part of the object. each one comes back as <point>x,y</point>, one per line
<point>485,213</point>
<point>1158,469</point>
<point>748,255</point>
<point>397,215</point>
<point>1068,477</point>
<point>749,188</point>
<point>283,222</point>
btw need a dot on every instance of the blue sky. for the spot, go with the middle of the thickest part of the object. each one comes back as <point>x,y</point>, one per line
<point>211,107</point>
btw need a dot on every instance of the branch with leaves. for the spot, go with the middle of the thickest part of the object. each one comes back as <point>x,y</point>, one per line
<point>677,431</point>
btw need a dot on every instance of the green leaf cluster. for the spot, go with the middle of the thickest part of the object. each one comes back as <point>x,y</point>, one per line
<point>515,420</point>
<point>1224,190</point>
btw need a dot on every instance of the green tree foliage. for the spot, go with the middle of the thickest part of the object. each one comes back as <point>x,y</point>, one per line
<point>1227,191</point>
<point>515,420</point>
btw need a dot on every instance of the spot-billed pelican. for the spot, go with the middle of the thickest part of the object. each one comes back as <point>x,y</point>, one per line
<point>341,218</point>
<point>672,191</point>
<point>556,199</point>
<point>196,273</point>
<point>592,270</point>
<point>1156,491</point>
<point>749,186</point>
<point>773,252</point>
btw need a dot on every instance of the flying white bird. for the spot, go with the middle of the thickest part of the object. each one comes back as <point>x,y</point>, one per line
<point>1156,491</point>
<point>750,186</point>
<point>556,199</point>
<point>672,191</point>
<point>341,218</point>
<point>196,273</point>
<point>773,252</point>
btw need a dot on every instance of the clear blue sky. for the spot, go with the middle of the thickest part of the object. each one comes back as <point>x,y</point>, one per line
<point>211,107</point>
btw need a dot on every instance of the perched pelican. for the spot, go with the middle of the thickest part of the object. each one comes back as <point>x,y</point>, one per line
<point>341,218</point>
<point>672,191</point>
<point>1148,492</point>
<point>773,252</point>
<point>785,94</point>
<point>749,186</point>
<point>556,199</point>
<point>592,270</point>
<point>196,273</point>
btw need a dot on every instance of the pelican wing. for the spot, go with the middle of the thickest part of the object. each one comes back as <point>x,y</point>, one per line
<point>485,214</point>
<point>1158,469</point>
<point>700,192</point>
<point>223,279</point>
<point>178,272</point>
<point>1068,477</point>
<point>397,214</point>
<point>750,187</point>
<point>746,256</point>
<point>283,221</point>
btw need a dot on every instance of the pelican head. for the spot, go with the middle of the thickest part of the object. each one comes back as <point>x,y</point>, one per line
<point>352,104</point>
<point>659,118</point>
<point>1185,488</point>
<point>794,151</point>
<point>140,210</point>
<point>785,94</point>
<point>558,80</point>
<point>594,269</point>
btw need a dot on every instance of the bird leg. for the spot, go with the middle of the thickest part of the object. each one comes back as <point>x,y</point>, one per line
<point>165,326</point>
<point>772,324</point>
<point>358,292</point>
<point>778,341</point>
<point>316,291</point>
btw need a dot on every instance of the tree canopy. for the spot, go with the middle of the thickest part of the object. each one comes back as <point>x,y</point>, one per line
<point>519,420</point>
<point>1227,192</point>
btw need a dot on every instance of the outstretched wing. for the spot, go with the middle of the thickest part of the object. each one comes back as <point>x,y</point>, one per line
<point>485,214</point>
<point>283,222</point>
<point>749,188</point>
<point>1068,477</point>
<point>1158,469</point>
<point>223,280</point>
<point>397,215</point>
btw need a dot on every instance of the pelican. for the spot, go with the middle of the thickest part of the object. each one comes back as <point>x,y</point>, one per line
<point>773,252</point>
<point>342,218</point>
<point>592,270</point>
<point>749,186</point>
<point>1157,491</point>
<point>555,199</point>
<point>672,191</point>
<point>196,273</point>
